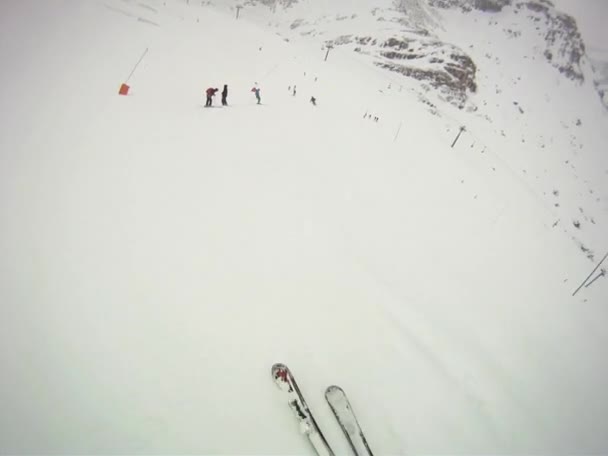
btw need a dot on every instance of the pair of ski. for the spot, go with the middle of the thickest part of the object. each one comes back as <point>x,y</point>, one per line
<point>340,406</point>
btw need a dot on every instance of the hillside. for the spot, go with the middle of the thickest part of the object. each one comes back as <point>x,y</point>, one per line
<point>158,257</point>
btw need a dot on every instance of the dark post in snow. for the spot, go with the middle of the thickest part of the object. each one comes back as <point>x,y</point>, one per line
<point>238,9</point>
<point>592,272</point>
<point>329,48</point>
<point>601,274</point>
<point>458,136</point>
<point>398,130</point>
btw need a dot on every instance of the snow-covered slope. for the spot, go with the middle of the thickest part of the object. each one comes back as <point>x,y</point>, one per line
<point>502,78</point>
<point>158,257</point>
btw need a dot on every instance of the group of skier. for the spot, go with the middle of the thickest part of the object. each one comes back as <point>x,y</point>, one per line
<point>211,91</point>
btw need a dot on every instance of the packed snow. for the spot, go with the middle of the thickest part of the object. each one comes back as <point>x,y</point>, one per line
<point>158,257</point>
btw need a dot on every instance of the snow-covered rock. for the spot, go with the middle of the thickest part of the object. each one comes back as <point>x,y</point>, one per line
<point>404,38</point>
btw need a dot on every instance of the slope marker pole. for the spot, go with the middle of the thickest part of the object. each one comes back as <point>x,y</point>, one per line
<point>459,133</point>
<point>592,272</point>
<point>136,65</point>
<point>397,134</point>
<point>601,274</point>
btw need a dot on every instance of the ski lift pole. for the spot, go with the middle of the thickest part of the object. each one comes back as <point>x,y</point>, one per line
<point>329,48</point>
<point>592,272</point>
<point>398,130</point>
<point>458,136</point>
<point>601,274</point>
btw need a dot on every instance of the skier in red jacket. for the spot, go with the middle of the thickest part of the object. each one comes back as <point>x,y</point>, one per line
<point>210,94</point>
<point>256,90</point>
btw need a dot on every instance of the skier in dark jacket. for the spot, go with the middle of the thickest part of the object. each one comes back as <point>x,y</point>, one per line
<point>210,94</point>
<point>225,96</point>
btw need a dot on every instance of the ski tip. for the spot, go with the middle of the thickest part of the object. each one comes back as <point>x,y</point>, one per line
<point>333,389</point>
<point>278,367</point>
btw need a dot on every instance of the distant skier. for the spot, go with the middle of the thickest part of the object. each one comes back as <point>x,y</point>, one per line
<point>294,91</point>
<point>225,96</point>
<point>210,94</point>
<point>256,89</point>
<point>313,100</point>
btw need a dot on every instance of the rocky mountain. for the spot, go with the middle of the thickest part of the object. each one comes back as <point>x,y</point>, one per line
<point>406,38</point>
<point>564,47</point>
<point>557,38</point>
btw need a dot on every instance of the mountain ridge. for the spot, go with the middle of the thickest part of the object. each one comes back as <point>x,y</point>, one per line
<point>442,65</point>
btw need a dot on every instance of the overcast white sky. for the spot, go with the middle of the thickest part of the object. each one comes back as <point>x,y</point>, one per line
<point>591,16</point>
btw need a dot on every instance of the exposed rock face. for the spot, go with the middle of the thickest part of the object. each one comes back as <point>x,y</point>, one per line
<point>565,47</point>
<point>406,42</point>
<point>600,66</point>
<point>273,3</point>
<point>491,6</point>
<point>446,68</point>
<point>438,65</point>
